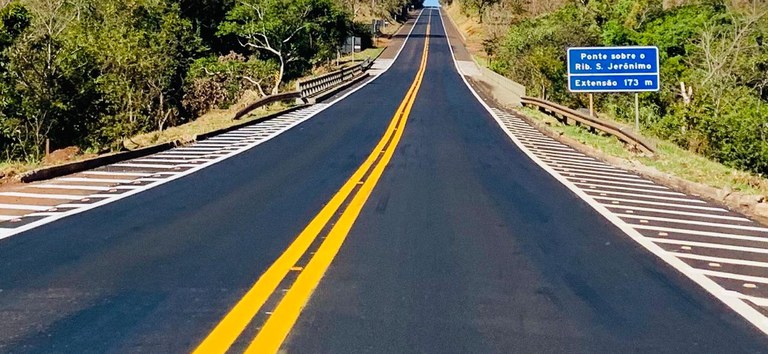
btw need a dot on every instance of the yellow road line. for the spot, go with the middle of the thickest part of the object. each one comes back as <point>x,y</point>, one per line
<point>279,324</point>
<point>234,323</point>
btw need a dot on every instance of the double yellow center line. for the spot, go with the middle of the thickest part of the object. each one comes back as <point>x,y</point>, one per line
<point>359,188</point>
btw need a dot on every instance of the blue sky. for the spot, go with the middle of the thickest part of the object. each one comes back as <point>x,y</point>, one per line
<point>431,3</point>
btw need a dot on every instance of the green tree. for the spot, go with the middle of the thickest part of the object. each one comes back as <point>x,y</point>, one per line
<point>143,58</point>
<point>52,77</point>
<point>290,31</point>
<point>217,82</point>
<point>480,6</point>
<point>14,20</point>
<point>205,16</point>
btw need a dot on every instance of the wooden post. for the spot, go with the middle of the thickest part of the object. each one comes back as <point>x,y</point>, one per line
<point>637,112</point>
<point>591,105</point>
<point>47,147</point>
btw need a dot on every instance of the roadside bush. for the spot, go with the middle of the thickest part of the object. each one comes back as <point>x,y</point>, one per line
<point>217,82</point>
<point>713,69</point>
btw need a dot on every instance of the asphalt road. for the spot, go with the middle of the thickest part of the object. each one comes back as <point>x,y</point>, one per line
<point>464,246</point>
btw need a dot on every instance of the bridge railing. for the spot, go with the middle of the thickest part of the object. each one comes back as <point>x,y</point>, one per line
<point>563,113</point>
<point>316,85</point>
<point>310,87</point>
<point>267,100</point>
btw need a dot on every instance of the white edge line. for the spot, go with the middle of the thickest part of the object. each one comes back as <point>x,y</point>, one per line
<point>738,305</point>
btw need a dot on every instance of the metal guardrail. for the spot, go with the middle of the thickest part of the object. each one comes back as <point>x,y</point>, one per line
<point>313,86</point>
<point>563,113</point>
<point>310,87</point>
<point>267,100</point>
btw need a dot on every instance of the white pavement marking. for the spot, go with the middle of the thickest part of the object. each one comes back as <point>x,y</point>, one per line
<point>558,151</point>
<point>196,148</point>
<point>41,195</point>
<point>225,140</point>
<point>630,189</point>
<point>759,301</point>
<point>700,223</point>
<point>189,153</point>
<point>701,233</point>
<point>542,142</point>
<point>749,278</point>
<point>620,183</point>
<point>143,165</point>
<point>722,260</point>
<point>541,137</point>
<point>77,205</point>
<point>24,207</point>
<point>45,213</point>
<point>240,135</point>
<point>70,187</point>
<point>600,177</point>
<point>570,171</point>
<point>558,162</point>
<point>167,157</point>
<point>671,205</point>
<point>636,195</point>
<point>710,245</point>
<point>95,180</point>
<point>213,144</point>
<point>8,217</point>
<point>168,161</point>
<point>675,212</point>
<point>531,134</point>
<point>107,173</point>
<point>580,158</point>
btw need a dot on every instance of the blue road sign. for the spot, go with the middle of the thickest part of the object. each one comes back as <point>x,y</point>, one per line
<point>613,69</point>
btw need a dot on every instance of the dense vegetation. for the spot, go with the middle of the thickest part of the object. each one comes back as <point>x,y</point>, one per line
<point>91,73</point>
<point>714,67</point>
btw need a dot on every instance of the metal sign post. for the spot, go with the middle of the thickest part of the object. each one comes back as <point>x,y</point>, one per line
<point>637,112</point>
<point>614,69</point>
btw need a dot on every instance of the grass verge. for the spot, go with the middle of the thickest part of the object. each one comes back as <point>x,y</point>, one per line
<point>669,158</point>
<point>14,168</point>
<point>213,120</point>
<point>359,57</point>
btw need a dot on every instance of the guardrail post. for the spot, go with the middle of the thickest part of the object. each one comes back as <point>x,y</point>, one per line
<point>300,99</point>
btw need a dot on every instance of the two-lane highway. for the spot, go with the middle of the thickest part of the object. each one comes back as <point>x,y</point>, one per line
<point>399,219</point>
